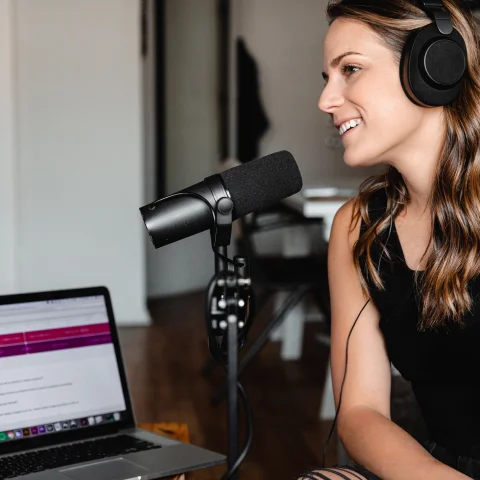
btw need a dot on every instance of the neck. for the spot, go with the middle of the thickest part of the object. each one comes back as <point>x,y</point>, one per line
<point>418,162</point>
<point>419,181</point>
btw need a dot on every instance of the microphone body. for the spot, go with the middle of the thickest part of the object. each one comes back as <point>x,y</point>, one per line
<point>181,216</point>
<point>253,186</point>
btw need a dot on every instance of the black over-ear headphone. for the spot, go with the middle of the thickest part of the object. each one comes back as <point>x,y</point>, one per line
<point>434,60</point>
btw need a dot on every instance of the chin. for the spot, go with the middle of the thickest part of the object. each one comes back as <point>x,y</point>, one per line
<point>354,158</point>
<point>354,161</point>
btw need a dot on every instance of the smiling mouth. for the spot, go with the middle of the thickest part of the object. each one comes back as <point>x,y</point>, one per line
<point>349,125</point>
<point>349,131</point>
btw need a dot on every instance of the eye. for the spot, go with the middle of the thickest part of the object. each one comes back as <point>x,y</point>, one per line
<point>349,70</point>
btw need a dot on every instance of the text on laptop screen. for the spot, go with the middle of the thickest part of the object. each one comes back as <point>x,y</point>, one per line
<point>58,368</point>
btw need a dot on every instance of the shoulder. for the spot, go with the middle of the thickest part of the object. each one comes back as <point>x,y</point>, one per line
<point>344,234</point>
<point>351,221</point>
<point>346,224</point>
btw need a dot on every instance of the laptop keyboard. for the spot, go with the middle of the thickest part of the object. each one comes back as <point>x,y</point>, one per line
<point>55,457</point>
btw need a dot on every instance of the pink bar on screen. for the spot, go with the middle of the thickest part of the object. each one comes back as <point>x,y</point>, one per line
<point>69,332</point>
<point>11,339</point>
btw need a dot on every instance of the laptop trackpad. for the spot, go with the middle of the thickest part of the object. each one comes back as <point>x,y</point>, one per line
<point>118,469</point>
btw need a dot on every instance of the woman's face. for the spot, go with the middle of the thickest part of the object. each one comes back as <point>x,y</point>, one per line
<point>364,86</point>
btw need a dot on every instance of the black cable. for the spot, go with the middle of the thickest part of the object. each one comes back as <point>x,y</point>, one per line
<point>249,415</point>
<point>228,260</point>
<point>346,346</point>
<point>248,410</point>
<point>248,442</point>
<point>341,388</point>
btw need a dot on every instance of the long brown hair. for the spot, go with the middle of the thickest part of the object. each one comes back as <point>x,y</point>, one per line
<point>452,257</point>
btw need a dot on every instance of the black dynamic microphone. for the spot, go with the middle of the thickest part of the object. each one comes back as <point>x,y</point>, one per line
<point>252,187</point>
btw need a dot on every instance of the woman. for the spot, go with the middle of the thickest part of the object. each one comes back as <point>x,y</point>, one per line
<point>407,248</point>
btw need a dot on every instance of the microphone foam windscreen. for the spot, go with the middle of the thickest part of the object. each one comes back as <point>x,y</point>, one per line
<point>261,183</point>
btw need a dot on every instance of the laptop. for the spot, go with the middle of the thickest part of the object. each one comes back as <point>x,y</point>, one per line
<point>65,408</point>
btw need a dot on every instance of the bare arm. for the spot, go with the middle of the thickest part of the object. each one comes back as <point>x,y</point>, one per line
<point>364,423</point>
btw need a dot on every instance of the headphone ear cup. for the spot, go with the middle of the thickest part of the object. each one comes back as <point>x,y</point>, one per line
<point>433,66</point>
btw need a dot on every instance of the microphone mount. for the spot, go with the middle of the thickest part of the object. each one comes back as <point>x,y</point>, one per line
<point>222,231</point>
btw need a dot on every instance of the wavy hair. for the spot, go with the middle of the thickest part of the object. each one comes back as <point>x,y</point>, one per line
<point>452,257</point>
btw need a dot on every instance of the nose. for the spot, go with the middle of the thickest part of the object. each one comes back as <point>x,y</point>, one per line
<point>331,98</point>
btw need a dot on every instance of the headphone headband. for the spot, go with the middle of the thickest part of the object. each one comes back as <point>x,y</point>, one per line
<point>439,14</point>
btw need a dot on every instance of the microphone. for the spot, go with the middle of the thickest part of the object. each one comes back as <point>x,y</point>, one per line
<point>253,186</point>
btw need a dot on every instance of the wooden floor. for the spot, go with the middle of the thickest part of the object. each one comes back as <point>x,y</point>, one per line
<point>163,367</point>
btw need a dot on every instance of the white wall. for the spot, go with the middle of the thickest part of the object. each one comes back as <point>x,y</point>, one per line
<point>7,150</point>
<point>192,145</point>
<point>285,37</point>
<point>79,164</point>
<point>149,123</point>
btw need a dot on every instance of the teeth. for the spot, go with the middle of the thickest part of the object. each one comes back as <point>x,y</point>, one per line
<point>348,125</point>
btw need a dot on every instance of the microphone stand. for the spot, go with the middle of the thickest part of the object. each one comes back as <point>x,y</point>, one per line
<point>229,302</point>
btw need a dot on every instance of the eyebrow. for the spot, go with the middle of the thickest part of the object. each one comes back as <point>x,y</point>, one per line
<point>336,61</point>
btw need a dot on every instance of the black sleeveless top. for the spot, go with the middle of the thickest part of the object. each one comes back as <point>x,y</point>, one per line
<point>442,365</point>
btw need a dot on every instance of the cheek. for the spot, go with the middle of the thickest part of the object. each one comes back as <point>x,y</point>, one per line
<point>385,98</point>
<point>388,124</point>
<point>389,112</point>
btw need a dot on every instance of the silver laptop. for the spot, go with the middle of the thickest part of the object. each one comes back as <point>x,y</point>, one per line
<point>65,409</point>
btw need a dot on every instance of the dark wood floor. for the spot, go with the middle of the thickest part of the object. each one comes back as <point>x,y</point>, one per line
<point>163,367</point>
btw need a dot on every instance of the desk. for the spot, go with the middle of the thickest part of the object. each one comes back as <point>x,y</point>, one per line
<point>324,207</point>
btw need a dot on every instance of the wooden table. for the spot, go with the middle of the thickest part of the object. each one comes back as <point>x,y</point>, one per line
<point>178,431</point>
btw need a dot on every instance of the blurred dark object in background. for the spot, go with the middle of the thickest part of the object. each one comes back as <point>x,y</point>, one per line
<point>475,4</point>
<point>252,121</point>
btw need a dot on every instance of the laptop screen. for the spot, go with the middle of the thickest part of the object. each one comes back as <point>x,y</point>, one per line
<point>58,369</point>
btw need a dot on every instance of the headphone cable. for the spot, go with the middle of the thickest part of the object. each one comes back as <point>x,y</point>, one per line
<point>346,346</point>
